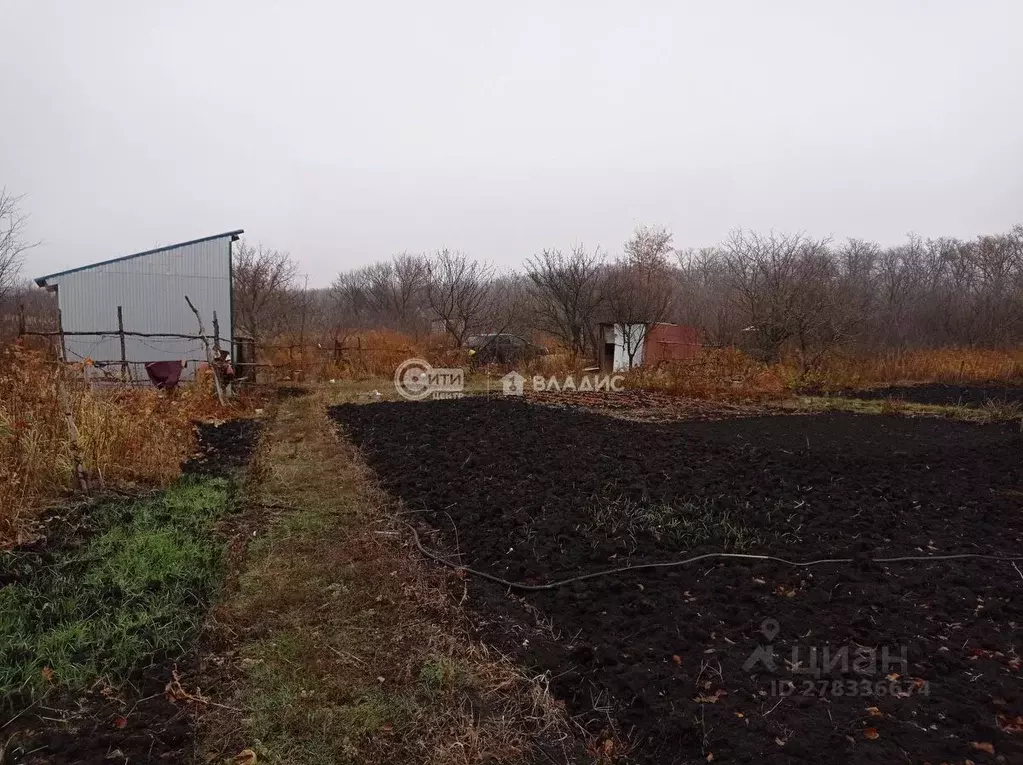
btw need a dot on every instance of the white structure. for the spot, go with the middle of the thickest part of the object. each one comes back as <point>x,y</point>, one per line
<point>150,287</point>
<point>619,339</point>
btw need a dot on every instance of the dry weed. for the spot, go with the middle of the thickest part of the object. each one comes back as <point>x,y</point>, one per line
<point>728,373</point>
<point>126,436</point>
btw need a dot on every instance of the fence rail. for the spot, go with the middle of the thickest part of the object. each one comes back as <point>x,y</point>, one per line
<point>302,358</point>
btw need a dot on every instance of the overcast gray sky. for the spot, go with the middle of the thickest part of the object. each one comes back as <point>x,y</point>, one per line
<point>345,132</point>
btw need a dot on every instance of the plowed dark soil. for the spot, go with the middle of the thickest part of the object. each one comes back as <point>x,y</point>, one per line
<point>222,448</point>
<point>635,404</point>
<point>943,394</point>
<point>657,664</point>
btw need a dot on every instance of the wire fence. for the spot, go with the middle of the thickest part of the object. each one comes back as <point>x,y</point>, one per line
<point>121,355</point>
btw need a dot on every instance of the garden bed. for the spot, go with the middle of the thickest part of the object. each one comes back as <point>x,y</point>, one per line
<point>656,663</point>
<point>99,615</point>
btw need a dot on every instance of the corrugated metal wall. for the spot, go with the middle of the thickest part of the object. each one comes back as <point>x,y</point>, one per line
<point>671,342</point>
<point>151,290</point>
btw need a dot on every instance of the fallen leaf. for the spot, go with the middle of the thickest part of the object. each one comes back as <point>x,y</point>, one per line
<point>983,746</point>
<point>387,727</point>
<point>609,747</point>
<point>1010,724</point>
<point>175,691</point>
<point>677,659</point>
<point>873,711</point>
<point>119,721</point>
<point>245,757</point>
<point>892,677</point>
<point>48,674</point>
<point>710,756</point>
<point>739,714</point>
<point>871,733</point>
<point>711,698</point>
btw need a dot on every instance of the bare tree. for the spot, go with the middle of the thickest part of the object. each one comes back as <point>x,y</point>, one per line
<point>566,295</point>
<point>12,240</point>
<point>637,295</point>
<point>778,285</point>
<point>264,283</point>
<point>650,247</point>
<point>26,302</point>
<point>702,292</point>
<point>458,292</point>
<point>390,294</point>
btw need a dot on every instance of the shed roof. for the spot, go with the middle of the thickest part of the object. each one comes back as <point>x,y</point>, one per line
<point>41,281</point>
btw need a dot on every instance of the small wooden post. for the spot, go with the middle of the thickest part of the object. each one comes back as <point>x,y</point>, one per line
<point>60,329</point>
<point>216,336</point>
<point>120,333</point>
<point>21,320</point>
<point>216,349</point>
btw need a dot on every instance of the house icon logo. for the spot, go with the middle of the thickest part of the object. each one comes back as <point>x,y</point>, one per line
<point>511,383</point>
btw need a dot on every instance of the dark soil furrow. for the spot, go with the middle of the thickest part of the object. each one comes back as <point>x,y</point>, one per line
<point>656,659</point>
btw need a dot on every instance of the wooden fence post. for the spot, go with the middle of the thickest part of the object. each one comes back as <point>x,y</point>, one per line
<point>60,330</point>
<point>209,353</point>
<point>21,320</point>
<point>216,336</point>
<point>120,333</point>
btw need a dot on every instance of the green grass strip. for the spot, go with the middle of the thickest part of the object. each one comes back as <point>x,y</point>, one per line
<point>135,590</point>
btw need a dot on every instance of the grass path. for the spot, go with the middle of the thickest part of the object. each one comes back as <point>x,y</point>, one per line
<point>342,646</point>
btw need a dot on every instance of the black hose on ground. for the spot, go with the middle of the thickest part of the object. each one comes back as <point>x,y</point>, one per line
<point>705,556</point>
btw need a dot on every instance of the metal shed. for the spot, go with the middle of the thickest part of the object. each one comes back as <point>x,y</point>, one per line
<point>150,287</point>
<point>650,345</point>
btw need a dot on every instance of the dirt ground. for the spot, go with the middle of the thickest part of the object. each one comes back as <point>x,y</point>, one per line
<point>734,660</point>
<point>138,721</point>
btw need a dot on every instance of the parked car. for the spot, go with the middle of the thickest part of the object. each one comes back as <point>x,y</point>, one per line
<point>502,348</point>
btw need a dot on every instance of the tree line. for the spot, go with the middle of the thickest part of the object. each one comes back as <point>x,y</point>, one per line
<point>770,293</point>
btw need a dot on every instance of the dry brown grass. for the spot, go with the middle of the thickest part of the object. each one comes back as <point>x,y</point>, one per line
<point>127,437</point>
<point>347,647</point>
<point>958,365</point>
<point>728,373</point>
<point>375,354</point>
<point>359,356</point>
<point>718,373</point>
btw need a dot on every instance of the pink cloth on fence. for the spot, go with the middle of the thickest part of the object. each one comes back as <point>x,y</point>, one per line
<point>165,374</point>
